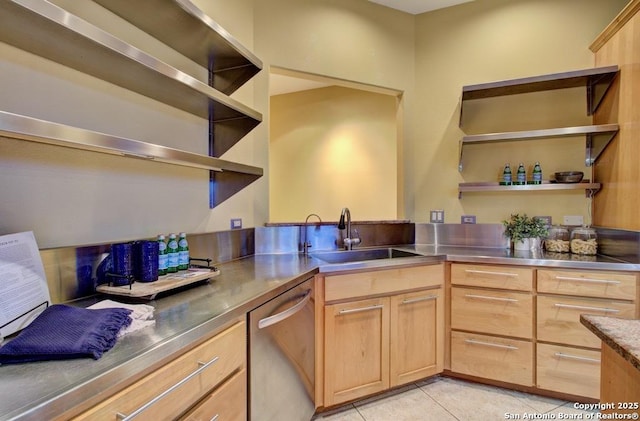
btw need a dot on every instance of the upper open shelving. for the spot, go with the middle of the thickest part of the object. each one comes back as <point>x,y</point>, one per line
<point>49,31</point>
<point>596,80</point>
<point>177,23</point>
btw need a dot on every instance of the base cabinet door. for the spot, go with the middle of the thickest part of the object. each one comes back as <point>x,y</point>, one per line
<point>569,370</point>
<point>417,336</point>
<point>356,349</point>
<point>226,403</point>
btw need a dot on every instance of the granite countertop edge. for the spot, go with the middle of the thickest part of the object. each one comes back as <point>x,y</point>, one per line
<point>622,335</point>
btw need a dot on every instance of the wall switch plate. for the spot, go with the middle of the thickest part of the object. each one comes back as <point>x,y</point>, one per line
<point>236,223</point>
<point>468,219</point>
<point>437,216</point>
<point>546,219</point>
<point>573,220</point>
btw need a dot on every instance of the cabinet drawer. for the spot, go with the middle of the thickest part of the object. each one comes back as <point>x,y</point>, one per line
<point>504,277</point>
<point>498,312</point>
<point>569,370</point>
<point>507,360</point>
<point>221,355</point>
<point>226,403</point>
<point>559,318</point>
<point>351,285</point>
<point>590,284</point>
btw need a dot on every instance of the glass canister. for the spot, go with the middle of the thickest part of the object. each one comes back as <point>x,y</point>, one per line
<point>584,241</point>
<point>558,240</point>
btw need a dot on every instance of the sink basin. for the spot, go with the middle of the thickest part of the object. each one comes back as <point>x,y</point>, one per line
<point>349,256</point>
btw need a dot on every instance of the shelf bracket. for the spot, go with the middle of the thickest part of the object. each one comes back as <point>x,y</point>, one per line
<point>460,150</point>
<point>596,144</point>
<point>597,87</point>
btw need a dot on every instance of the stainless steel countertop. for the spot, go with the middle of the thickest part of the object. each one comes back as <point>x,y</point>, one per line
<point>46,389</point>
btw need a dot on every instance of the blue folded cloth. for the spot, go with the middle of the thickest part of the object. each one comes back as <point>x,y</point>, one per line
<point>64,332</point>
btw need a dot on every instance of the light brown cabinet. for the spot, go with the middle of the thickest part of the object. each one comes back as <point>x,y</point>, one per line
<point>381,329</point>
<point>206,381</point>
<point>568,354</point>
<point>492,322</point>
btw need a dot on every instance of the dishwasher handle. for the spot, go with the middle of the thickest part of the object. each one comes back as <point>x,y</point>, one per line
<point>278,317</point>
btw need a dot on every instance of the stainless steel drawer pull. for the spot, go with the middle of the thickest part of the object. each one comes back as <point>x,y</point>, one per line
<point>215,417</point>
<point>203,366</point>
<point>601,309</point>
<point>484,297</point>
<point>595,281</point>
<point>576,357</point>
<point>486,272</point>
<point>418,299</point>
<point>474,342</point>
<point>357,310</point>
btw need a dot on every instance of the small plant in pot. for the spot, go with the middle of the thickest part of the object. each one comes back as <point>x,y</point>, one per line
<point>521,229</point>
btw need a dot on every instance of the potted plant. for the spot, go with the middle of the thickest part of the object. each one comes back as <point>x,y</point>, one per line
<point>521,229</point>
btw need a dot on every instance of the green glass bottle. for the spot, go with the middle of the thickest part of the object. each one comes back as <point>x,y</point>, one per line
<point>507,179</point>
<point>172,251</point>
<point>163,257</point>
<point>183,252</point>
<point>521,175</point>
<point>537,174</point>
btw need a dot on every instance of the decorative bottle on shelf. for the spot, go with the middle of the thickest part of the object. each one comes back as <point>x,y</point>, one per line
<point>521,175</point>
<point>537,174</point>
<point>163,257</point>
<point>172,251</point>
<point>183,252</point>
<point>506,176</point>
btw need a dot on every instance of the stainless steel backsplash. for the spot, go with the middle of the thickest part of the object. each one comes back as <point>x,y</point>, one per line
<point>71,271</point>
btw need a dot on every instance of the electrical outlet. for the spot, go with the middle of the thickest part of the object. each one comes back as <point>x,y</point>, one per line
<point>468,219</point>
<point>437,216</point>
<point>236,223</point>
<point>573,220</point>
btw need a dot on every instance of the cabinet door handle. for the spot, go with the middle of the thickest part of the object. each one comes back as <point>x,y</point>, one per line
<point>601,309</point>
<point>203,366</point>
<point>357,310</point>
<point>487,272</point>
<point>576,357</point>
<point>595,281</point>
<point>418,299</point>
<point>215,417</point>
<point>475,342</point>
<point>484,297</point>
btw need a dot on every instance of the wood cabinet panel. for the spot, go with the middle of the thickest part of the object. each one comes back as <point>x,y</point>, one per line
<point>356,349</point>
<point>490,357</point>
<point>226,353</point>
<point>417,336</point>
<point>491,311</point>
<point>588,283</point>
<point>568,370</point>
<point>226,403</point>
<point>558,318</point>
<point>503,277</point>
<point>620,381</point>
<point>388,281</point>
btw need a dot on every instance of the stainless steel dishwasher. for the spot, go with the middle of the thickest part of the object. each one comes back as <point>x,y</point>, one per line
<point>282,356</point>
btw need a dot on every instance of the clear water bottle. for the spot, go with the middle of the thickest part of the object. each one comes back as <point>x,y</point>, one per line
<point>183,252</point>
<point>506,176</point>
<point>537,174</point>
<point>172,251</point>
<point>163,257</point>
<point>521,175</point>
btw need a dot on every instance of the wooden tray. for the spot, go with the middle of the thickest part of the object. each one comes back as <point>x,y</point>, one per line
<point>149,290</point>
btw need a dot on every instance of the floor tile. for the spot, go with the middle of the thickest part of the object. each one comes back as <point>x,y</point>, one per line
<point>345,413</point>
<point>410,405</point>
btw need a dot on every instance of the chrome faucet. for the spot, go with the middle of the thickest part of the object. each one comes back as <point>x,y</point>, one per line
<point>306,244</point>
<point>348,241</point>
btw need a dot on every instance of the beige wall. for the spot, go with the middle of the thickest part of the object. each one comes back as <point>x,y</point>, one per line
<point>70,197</point>
<point>330,148</point>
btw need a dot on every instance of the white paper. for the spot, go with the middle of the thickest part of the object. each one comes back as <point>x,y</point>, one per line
<point>24,293</point>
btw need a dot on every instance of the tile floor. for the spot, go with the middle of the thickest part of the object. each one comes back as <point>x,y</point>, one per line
<point>447,399</point>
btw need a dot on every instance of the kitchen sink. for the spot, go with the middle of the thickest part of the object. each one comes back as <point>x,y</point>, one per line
<point>350,256</point>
